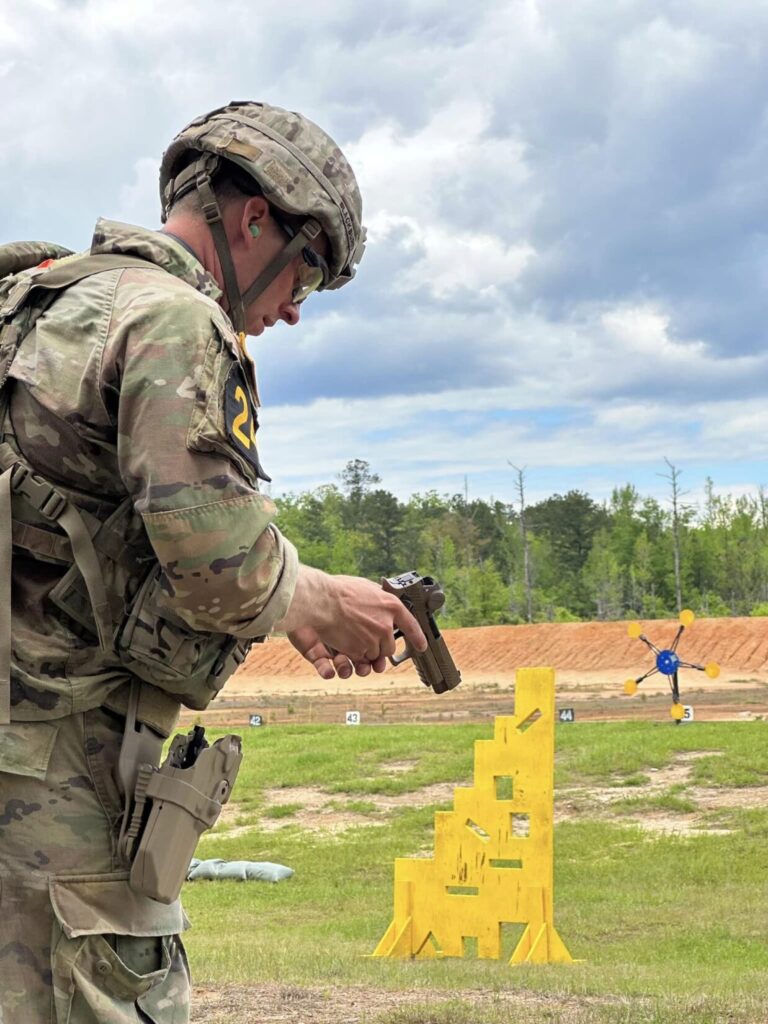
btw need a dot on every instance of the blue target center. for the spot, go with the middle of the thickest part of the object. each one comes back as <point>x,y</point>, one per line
<point>667,662</point>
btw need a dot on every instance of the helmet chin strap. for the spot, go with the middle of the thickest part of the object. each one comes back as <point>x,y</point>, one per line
<point>308,231</point>
<point>213,218</point>
<point>240,301</point>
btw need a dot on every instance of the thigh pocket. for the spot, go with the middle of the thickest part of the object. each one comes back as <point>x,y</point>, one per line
<point>116,955</point>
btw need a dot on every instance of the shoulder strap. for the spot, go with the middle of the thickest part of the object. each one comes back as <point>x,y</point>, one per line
<point>18,256</point>
<point>15,477</point>
<point>56,279</point>
<point>69,273</point>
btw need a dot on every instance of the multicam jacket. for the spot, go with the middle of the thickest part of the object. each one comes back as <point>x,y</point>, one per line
<point>131,394</point>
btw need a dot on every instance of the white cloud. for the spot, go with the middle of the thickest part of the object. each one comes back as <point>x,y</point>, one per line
<point>565,203</point>
<point>414,443</point>
<point>138,202</point>
<point>661,58</point>
<point>449,258</point>
<point>645,331</point>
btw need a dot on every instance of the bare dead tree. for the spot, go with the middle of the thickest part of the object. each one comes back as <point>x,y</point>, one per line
<point>678,508</point>
<point>762,504</point>
<point>526,548</point>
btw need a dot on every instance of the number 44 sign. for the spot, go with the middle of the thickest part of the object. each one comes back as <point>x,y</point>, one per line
<point>566,715</point>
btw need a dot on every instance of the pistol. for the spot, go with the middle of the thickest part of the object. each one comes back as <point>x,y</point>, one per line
<point>423,596</point>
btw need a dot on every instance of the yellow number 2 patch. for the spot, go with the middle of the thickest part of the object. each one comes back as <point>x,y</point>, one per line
<point>241,419</point>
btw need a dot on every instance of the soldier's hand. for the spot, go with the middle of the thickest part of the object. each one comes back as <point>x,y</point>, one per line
<point>349,617</point>
<point>328,662</point>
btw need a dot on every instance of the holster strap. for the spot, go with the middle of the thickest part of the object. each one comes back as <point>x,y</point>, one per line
<point>174,791</point>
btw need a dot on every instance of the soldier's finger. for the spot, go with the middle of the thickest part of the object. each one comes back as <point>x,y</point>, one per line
<point>380,664</point>
<point>343,666</point>
<point>324,668</point>
<point>388,647</point>
<point>410,628</point>
<point>363,668</point>
<point>315,652</point>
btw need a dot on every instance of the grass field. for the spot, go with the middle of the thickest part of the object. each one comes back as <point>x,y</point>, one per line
<point>661,862</point>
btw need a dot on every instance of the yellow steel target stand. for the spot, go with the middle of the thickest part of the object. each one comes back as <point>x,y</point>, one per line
<point>493,861</point>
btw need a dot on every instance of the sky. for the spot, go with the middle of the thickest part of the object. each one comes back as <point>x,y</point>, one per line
<point>566,208</point>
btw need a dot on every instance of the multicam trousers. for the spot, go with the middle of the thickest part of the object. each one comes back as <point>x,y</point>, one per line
<point>77,945</point>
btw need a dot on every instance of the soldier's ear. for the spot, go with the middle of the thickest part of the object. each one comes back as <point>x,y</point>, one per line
<point>255,215</point>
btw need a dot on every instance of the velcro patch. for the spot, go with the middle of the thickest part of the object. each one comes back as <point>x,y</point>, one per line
<point>241,419</point>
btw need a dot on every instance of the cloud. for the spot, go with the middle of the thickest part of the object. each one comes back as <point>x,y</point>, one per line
<point>600,352</point>
<point>566,206</point>
<point>138,200</point>
<point>430,441</point>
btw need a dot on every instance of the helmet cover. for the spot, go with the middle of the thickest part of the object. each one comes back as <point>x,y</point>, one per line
<point>297,165</point>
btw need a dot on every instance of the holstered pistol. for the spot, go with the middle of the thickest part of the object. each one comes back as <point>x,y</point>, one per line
<point>172,806</point>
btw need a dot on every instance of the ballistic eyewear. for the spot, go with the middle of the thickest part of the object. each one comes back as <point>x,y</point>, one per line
<point>313,272</point>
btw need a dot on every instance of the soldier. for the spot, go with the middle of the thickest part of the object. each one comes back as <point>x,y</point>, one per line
<point>144,560</point>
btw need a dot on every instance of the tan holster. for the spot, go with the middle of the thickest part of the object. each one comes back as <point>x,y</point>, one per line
<point>167,808</point>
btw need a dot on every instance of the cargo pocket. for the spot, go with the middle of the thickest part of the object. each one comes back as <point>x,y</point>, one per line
<point>151,645</point>
<point>25,748</point>
<point>160,649</point>
<point>116,955</point>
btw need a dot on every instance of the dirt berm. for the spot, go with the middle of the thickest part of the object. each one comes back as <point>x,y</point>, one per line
<point>591,659</point>
<point>737,645</point>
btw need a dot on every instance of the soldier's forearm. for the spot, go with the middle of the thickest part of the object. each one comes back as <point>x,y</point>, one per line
<point>310,602</point>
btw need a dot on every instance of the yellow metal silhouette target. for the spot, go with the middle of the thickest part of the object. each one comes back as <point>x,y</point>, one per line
<point>493,859</point>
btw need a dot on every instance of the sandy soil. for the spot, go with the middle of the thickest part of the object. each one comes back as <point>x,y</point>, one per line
<point>592,661</point>
<point>292,1004</point>
<point>739,645</point>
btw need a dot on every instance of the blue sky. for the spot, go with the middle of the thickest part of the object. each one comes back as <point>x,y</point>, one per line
<point>566,204</point>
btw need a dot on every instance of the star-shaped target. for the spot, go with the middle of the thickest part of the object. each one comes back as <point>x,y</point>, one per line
<point>668,662</point>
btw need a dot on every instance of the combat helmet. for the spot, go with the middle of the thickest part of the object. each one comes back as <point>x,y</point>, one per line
<point>299,169</point>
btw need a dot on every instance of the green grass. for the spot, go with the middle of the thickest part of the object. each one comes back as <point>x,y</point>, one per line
<point>627,748</point>
<point>671,799</point>
<point>282,810</point>
<point>638,779</point>
<point>355,806</point>
<point>670,928</point>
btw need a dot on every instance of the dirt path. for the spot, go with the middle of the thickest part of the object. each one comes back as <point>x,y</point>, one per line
<point>291,1004</point>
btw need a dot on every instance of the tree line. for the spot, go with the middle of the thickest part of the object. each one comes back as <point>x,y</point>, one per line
<point>564,559</point>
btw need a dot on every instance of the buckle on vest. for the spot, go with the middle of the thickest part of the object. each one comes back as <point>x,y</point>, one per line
<point>41,495</point>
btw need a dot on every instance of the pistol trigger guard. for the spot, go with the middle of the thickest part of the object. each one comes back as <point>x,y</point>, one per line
<point>398,659</point>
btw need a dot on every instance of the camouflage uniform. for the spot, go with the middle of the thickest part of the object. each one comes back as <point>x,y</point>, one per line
<point>132,395</point>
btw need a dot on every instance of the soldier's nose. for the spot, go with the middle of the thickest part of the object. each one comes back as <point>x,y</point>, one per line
<point>290,314</point>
